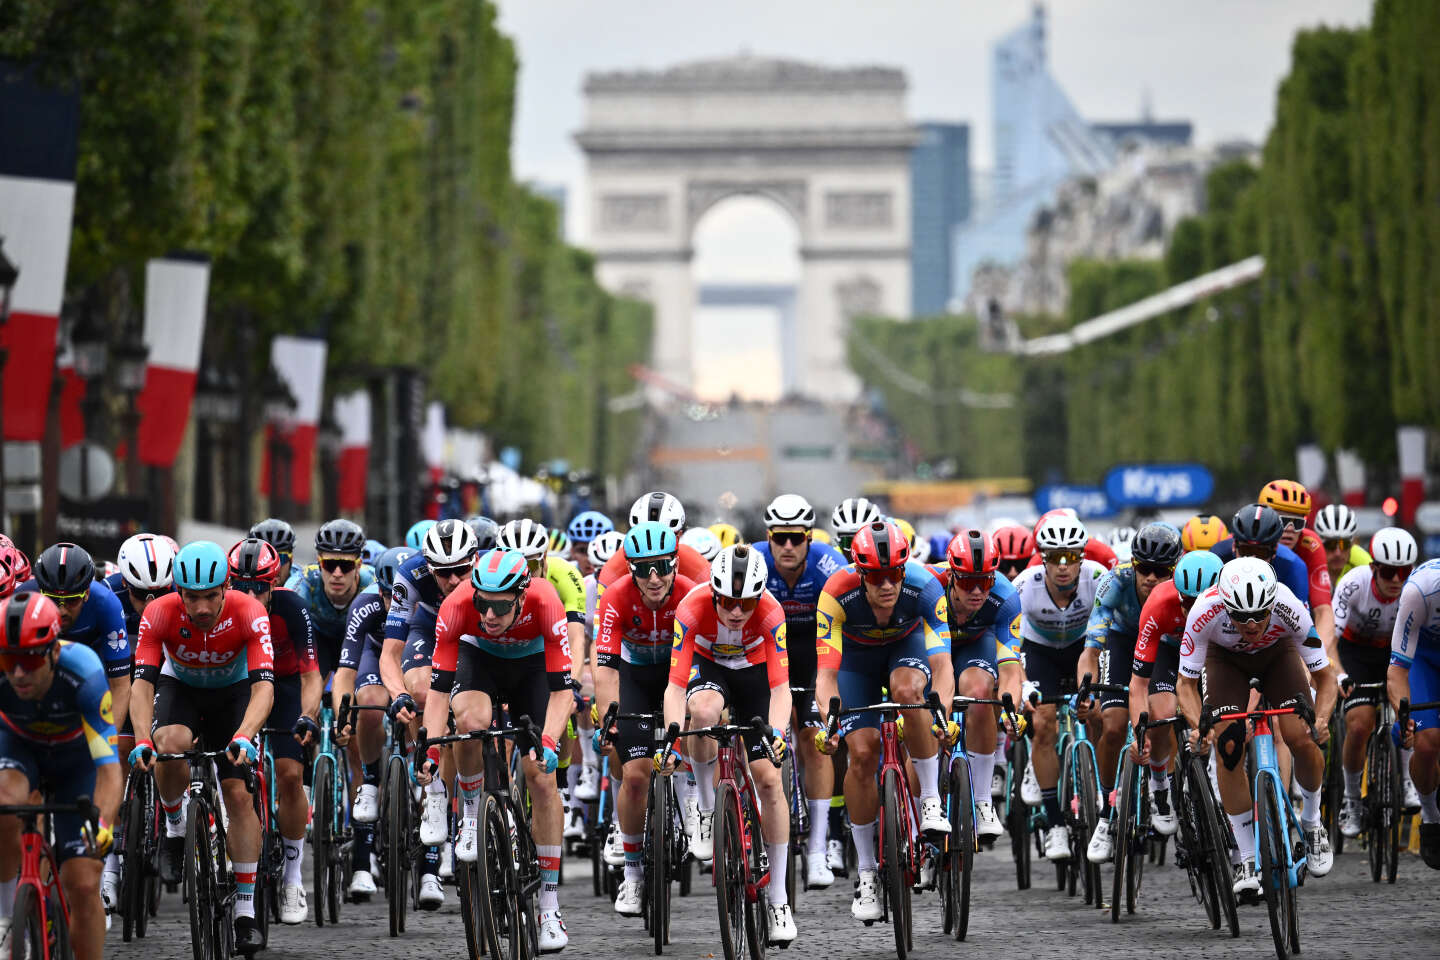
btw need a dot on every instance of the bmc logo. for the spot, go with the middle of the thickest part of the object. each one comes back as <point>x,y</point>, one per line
<point>204,656</point>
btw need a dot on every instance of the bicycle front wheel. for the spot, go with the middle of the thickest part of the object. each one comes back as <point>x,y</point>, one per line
<point>895,854</point>
<point>132,876</point>
<point>27,927</point>
<point>1017,814</point>
<point>1122,830</point>
<point>1377,807</point>
<point>1087,797</point>
<point>322,821</point>
<point>397,843</point>
<point>1274,866</point>
<point>1393,799</point>
<point>658,820</point>
<point>729,867</point>
<point>199,881</point>
<point>962,846</point>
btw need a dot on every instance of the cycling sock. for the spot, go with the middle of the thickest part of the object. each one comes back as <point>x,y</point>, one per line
<point>1000,753</point>
<point>1243,826</point>
<point>837,814</point>
<point>7,897</point>
<point>1159,779</point>
<point>1429,809</point>
<point>819,825</point>
<point>371,773</point>
<point>1050,800</point>
<point>364,843</point>
<point>1353,779</point>
<point>1405,756</point>
<point>704,783</point>
<point>927,770</point>
<point>245,888</point>
<point>549,857</point>
<point>982,766</point>
<point>779,862</point>
<point>174,817</point>
<point>572,778</point>
<point>469,789</point>
<point>587,751</point>
<point>112,862</point>
<point>1309,806</point>
<point>864,836</point>
<point>684,791</point>
<point>294,859</point>
<point>634,844</point>
<point>430,861</point>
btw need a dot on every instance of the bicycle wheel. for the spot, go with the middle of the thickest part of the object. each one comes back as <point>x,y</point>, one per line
<point>1392,799</point>
<point>199,882</point>
<point>1190,848</point>
<point>27,928</point>
<point>1214,841</point>
<point>397,843</point>
<point>1377,834</point>
<point>1123,830</point>
<point>1017,814</point>
<point>321,823</point>
<point>59,929</point>
<point>757,927</point>
<point>729,868</point>
<point>962,844</point>
<point>1334,790</point>
<point>1143,842</point>
<point>658,817</point>
<point>1087,815</point>
<point>494,880</point>
<point>132,849</point>
<point>894,858</point>
<point>597,831</point>
<point>1274,866</point>
<point>467,882</point>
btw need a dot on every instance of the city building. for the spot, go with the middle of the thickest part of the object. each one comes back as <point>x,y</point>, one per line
<point>940,202</point>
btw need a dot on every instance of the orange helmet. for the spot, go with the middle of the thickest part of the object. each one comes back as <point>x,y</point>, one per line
<point>1287,497</point>
<point>1202,533</point>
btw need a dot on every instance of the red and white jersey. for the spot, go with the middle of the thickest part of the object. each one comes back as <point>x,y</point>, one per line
<point>1362,617</point>
<point>237,647</point>
<point>1209,624</point>
<point>698,632</point>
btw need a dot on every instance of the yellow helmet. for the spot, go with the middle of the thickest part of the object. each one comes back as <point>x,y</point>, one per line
<point>1287,497</point>
<point>905,528</point>
<point>728,534</point>
<point>1202,532</point>
<point>819,536</point>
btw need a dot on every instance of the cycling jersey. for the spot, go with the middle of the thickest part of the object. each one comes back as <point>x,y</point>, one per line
<point>326,619</point>
<point>1042,621</point>
<point>1417,620</point>
<point>998,618</point>
<point>364,628</point>
<point>592,600</point>
<point>1362,617</point>
<point>100,625</point>
<point>1359,557</point>
<point>628,629</point>
<point>1290,570</point>
<point>1209,624</point>
<point>1311,552</point>
<point>118,586</point>
<point>291,634</point>
<point>844,615</point>
<point>76,708</point>
<point>236,647</point>
<point>1116,611</point>
<point>698,632</point>
<point>799,601</point>
<point>565,577</point>
<point>1162,621</point>
<point>692,565</point>
<point>1097,550</point>
<point>414,600</point>
<point>538,628</point>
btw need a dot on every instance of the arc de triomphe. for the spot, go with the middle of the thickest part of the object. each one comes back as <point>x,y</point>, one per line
<point>830,146</point>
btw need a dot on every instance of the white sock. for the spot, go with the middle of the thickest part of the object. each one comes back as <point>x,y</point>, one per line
<point>1000,752</point>
<point>1352,783</point>
<point>684,791</point>
<point>1243,826</point>
<point>294,859</point>
<point>775,890</point>
<point>864,835</point>
<point>587,751</point>
<point>1405,756</point>
<point>7,897</point>
<point>1309,807</point>
<point>634,868</point>
<point>928,772</point>
<point>982,765</point>
<point>112,862</point>
<point>1429,812</point>
<point>704,783</point>
<point>572,777</point>
<point>819,826</point>
<point>471,806</point>
<point>1159,777</point>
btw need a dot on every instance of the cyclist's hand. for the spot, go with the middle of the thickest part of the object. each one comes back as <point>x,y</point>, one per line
<point>826,744</point>
<point>1017,729</point>
<point>1029,693</point>
<point>1407,736</point>
<point>1344,682</point>
<point>949,734</point>
<point>1140,749</point>
<point>549,757</point>
<point>777,743</point>
<point>104,838</point>
<point>1083,709</point>
<point>667,760</point>
<point>428,767</point>
<point>142,755</point>
<point>402,708</point>
<point>595,714</point>
<point>306,730</point>
<point>1322,730</point>
<point>242,751</point>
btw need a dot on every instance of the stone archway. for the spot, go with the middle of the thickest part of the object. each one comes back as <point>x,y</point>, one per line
<point>830,146</point>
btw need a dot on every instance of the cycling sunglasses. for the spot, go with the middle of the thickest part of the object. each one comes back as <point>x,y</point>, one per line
<point>1062,557</point>
<point>1241,621</point>
<point>143,596</point>
<point>1292,523</point>
<point>63,598</point>
<point>460,570</point>
<point>842,542</point>
<point>879,578</point>
<point>29,662</point>
<point>338,564</point>
<point>788,538</point>
<point>1264,551</point>
<point>968,583</point>
<point>534,563</point>
<point>1145,568</point>
<point>1386,572</point>
<point>1012,567</point>
<point>252,587</point>
<point>1334,546</point>
<point>501,607</point>
<point>737,603</point>
<point>658,566</point>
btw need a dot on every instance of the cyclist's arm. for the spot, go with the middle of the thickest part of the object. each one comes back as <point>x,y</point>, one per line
<point>390,672</point>
<point>262,699</point>
<point>97,721</point>
<point>260,661</point>
<point>149,655</point>
<point>341,685</point>
<point>312,688</point>
<point>682,654</point>
<point>829,633</point>
<point>606,653</point>
<point>552,618</point>
<point>1187,692</point>
<point>121,694</point>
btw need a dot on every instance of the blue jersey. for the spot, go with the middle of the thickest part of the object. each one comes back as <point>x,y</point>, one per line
<point>1116,612</point>
<point>364,627</point>
<point>1289,568</point>
<point>998,618</point>
<point>799,601</point>
<point>100,626</point>
<point>326,618</point>
<point>414,601</point>
<point>116,583</point>
<point>76,708</point>
<point>1416,635</point>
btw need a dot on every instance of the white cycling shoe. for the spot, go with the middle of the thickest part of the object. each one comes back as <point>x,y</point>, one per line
<point>987,821</point>
<point>467,849</point>
<point>553,937</point>
<point>432,895</point>
<point>589,786</point>
<point>818,874</point>
<point>362,884</point>
<point>1102,845</point>
<point>932,816</point>
<point>866,905</point>
<point>109,889</point>
<point>1352,818</point>
<point>1030,787</point>
<point>293,908</point>
<point>367,804</point>
<point>702,845</point>
<point>780,923</point>
<point>434,825</point>
<point>614,853</point>
<point>1057,843</point>
<point>630,897</point>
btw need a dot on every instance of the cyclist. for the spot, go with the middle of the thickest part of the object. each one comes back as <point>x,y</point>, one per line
<point>666,509</point>
<point>1109,654</point>
<point>798,570</point>
<point>1249,627</point>
<point>1055,605</point>
<point>1201,532</point>
<point>1154,670</point>
<point>1256,532</point>
<point>1015,545</point>
<point>848,518</point>
<point>1365,608</point>
<point>1094,549</point>
<point>728,534</point>
<point>505,641</point>
<point>415,536</point>
<point>582,531</point>
<point>486,532</point>
<point>634,627</point>
<point>1414,674</point>
<point>371,552</point>
<point>587,788</point>
<point>1120,540</point>
<point>531,539</point>
<point>1336,526</point>
<point>882,622</point>
<point>704,542</point>
<point>328,586</point>
<point>1292,502</point>
<point>58,731</point>
<point>205,660</point>
<point>729,650</point>
<point>254,566</point>
<point>281,536</point>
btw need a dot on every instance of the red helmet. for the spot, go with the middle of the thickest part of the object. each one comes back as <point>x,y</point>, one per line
<point>9,559</point>
<point>29,623</point>
<point>254,559</point>
<point>880,546</point>
<point>1014,543</point>
<point>972,554</point>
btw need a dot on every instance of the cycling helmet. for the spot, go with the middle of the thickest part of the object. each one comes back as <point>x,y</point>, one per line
<point>1257,524</point>
<point>371,550</point>
<point>527,536</point>
<point>728,534</point>
<point>7,570</point>
<point>1287,497</point>
<point>147,562</point>
<point>1060,532</point>
<point>819,535</point>
<point>343,537</point>
<point>559,542</point>
<point>448,543</point>
<point>661,506</point>
<point>920,550</point>
<point>254,559</point>
<point>1066,512</point>
<point>589,525</point>
<point>1156,543</point>
<point>1196,572</point>
<point>1336,522</point>
<point>277,533</point>
<point>789,510</point>
<point>880,546</point>
<point>649,539</point>
<point>1394,547</point>
<point>30,623</point>
<point>852,514</point>
<point>486,531</point>
<point>387,567</point>
<point>105,570</point>
<point>1120,541</point>
<point>64,570</point>
<point>201,566</point>
<point>739,572</point>
<point>1202,532</point>
<point>415,536</point>
<point>501,571</point>
<point>1247,586</point>
<point>21,566</point>
<point>702,541</point>
<point>603,547</point>
<point>972,554</point>
<point>905,528</point>
<point>1014,543</point>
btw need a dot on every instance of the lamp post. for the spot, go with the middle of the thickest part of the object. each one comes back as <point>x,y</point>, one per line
<point>90,353</point>
<point>329,438</point>
<point>130,355</point>
<point>280,403</point>
<point>216,404</point>
<point>9,274</point>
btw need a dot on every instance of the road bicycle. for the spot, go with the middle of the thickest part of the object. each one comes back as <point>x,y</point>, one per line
<point>397,834</point>
<point>1332,796</point>
<point>40,918</point>
<point>1203,840</point>
<point>1384,801</point>
<point>139,850</point>
<point>1022,822</point>
<point>1130,827</point>
<point>329,830</point>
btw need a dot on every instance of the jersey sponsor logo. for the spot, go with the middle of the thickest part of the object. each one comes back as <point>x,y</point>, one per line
<point>116,640</point>
<point>226,624</point>
<point>1205,617</point>
<point>107,712</point>
<point>204,656</point>
<point>185,633</point>
<point>260,624</point>
<point>727,649</point>
<point>1288,616</point>
<point>1187,644</point>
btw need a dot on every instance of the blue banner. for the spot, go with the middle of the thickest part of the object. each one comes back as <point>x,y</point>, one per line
<point>1086,501</point>
<point>1159,485</point>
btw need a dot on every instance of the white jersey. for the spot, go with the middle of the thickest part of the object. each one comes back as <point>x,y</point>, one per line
<point>1209,624</point>
<point>1417,619</point>
<point>1362,618</point>
<point>1041,621</point>
<point>592,596</point>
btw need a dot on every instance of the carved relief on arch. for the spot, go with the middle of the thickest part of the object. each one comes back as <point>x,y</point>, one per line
<point>701,195</point>
<point>858,296</point>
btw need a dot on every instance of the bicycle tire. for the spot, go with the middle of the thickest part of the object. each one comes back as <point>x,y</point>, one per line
<point>1087,816</point>
<point>1376,837</point>
<point>1393,798</point>
<point>962,842</point>
<point>335,893</point>
<point>892,872</point>
<point>494,880</point>
<point>757,927</point>
<point>1334,790</point>
<point>729,875</point>
<point>1123,829</point>
<point>60,947</point>
<point>1190,846</point>
<point>467,884</point>
<point>198,880</point>
<point>397,842</point>
<point>321,822</point>
<point>1274,869</point>
<point>1142,844</point>
<point>1017,814</point>
<point>132,876</point>
<point>1215,842</point>
<point>596,831</point>
<point>658,816</point>
<point>27,927</point>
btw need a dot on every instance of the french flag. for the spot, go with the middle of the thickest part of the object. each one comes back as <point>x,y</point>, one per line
<point>352,412</point>
<point>176,291</point>
<point>300,363</point>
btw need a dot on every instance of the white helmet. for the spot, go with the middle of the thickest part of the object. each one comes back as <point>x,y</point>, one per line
<point>1061,532</point>
<point>527,536</point>
<point>702,541</point>
<point>1120,540</point>
<point>448,543</point>
<point>738,571</point>
<point>1247,586</point>
<point>147,562</point>
<point>920,549</point>
<point>660,507</point>
<point>1394,547</point>
<point>603,547</point>
<point>1336,522</point>
<point>789,510</point>
<point>852,514</point>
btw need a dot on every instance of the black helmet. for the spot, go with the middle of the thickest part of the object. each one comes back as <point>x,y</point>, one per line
<point>64,570</point>
<point>277,533</point>
<point>1257,524</point>
<point>487,531</point>
<point>340,536</point>
<point>1157,543</point>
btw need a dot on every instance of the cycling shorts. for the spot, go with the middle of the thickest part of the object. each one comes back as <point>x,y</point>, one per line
<point>327,651</point>
<point>367,671</point>
<point>1425,687</point>
<point>65,770</point>
<point>642,690</point>
<point>283,715</point>
<point>1051,669</point>
<point>978,653</point>
<point>865,670</point>
<point>520,683</point>
<point>211,714</point>
<point>1283,678</point>
<point>1165,670</point>
<point>1364,665</point>
<point>1116,660</point>
<point>746,692</point>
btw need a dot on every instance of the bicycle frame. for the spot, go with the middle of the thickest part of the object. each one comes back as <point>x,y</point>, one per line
<point>1267,767</point>
<point>35,852</point>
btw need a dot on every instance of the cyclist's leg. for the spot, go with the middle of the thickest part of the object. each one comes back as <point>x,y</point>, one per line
<point>370,742</point>
<point>19,776</point>
<point>860,677</point>
<point>818,769</point>
<point>73,775</point>
<point>531,690</point>
<point>1227,690</point>
<point>224,712</point>
<point>1425,688</point>
<point>177,721</point>
<point>1359,710</point>
<point>976,677</point>
<point>415,665</point>
<point>750,697</point>
<point>908,669</point>
<point>476,693</point>
<point>1286,683</point>
<point>705,697</point>
<point>641,689</point>
<point>293,805</point>
<point>1115,663</point>
<point>1049,669</point>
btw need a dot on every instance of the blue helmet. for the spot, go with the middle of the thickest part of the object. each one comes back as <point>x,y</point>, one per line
<point>416,534</point>
<point>649,539</point>
<point>201,566</point>
<point>501,571</point>
<point>371,551</point>
<point>1197,572</point>
<point>387,566</point>
<point>589,525</point>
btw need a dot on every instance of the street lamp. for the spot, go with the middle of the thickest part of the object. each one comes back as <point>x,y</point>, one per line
<point>216,405</point>
<point>130,355</point>
<point>328,438</point>
<point>280,404</point>
<point>9,274</point>
<point>90,353</point>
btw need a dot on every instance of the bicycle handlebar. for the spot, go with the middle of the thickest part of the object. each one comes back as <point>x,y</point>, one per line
<point>724,731</point>
<point>524,732</point>
<point>1304,711</point>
